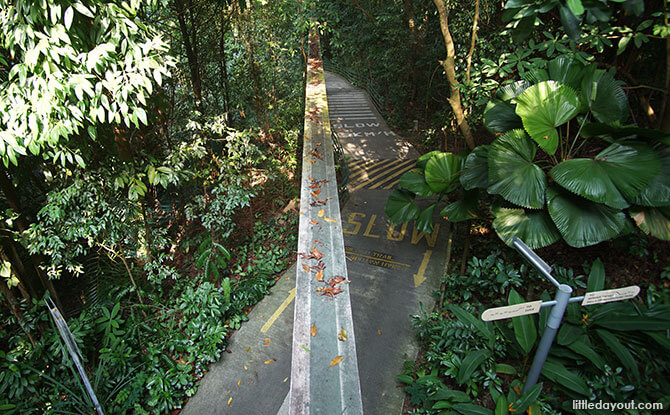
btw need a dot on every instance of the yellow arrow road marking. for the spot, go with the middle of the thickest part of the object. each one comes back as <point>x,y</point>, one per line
<point>418,277</point>
<point>275,316</point>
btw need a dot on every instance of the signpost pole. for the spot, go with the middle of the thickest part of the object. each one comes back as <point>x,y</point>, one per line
<point>559,304</point>
<point>553,324</point>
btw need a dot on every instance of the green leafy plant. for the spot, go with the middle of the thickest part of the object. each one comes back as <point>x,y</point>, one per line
<point>525,13</point>
<point>591,171</point>
<point>212,258</point>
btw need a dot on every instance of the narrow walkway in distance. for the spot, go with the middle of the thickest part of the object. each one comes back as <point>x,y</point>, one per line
<point>392,270</point>
<point>362,130</point>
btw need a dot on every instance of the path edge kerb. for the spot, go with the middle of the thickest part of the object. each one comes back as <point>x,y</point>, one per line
<point>324,369</point>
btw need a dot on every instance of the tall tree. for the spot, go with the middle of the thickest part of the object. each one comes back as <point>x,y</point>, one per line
<point>449,65</point>
<point>246,29</point>
<point>190,39</point>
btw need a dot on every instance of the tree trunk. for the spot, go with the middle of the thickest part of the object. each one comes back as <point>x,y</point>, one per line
<point>414,46</point>
<point>17,264</point>
<point>148,240</point>
<point>665,115</point>
<point>15,204</point>
<point>223,66</point>
<point>12,200</point>
<point>473,41</point>
<point>11,302</point>
<point>449,65</point>
<point>255,73</point>
<point>191,55</point>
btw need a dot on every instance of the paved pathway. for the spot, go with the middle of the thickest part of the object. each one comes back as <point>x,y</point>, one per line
<point>391,270</point>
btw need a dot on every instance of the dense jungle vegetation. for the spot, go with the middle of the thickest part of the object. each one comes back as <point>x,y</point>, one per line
<point>149,149</point>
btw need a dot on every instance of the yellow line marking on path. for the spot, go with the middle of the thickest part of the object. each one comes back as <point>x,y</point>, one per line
<point>418,277</point>
<point>358,185</point>
<point>403,170</point>
<point>353,163</point>
<point>390,186</point>
<point>362,162</point>
<point>380,164</point>
<point>275,316</point>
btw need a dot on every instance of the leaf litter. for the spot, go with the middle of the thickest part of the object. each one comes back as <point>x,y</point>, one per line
<point>336,360</point>
<point>342,335</point>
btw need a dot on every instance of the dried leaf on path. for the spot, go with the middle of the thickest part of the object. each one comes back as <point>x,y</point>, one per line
<point>342,335</point>
<point>329,291</point>
<point>270,361</point>
<point>336,360</point>
<point>315,253</point>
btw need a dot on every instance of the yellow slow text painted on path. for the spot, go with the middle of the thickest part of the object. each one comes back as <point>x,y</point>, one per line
<point>356,220</point>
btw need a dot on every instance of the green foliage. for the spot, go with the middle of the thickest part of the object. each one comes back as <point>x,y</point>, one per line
<point>615,340</point>
<point>122,176</point>
<point>512,174</point>
<point>140,364</point>
<point>524,327</point>
<point>598,187</point>
<point>544,106</point>
<point>526,13</point>
<point>216,211</point>
<point>81,217</point>
<point>212,258</point>
<point>487,278</point>
<point>64,78</point>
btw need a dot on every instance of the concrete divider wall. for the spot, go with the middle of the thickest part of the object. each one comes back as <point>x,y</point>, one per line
<point>324,366</point>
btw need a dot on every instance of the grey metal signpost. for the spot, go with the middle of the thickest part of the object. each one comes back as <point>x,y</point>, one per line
<point>560,303</point>
<point>73,350</point>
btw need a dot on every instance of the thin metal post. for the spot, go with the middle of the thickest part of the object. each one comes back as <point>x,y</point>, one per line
<point>534,259</point>
<point>73,350</point>
<point>553,324</point>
